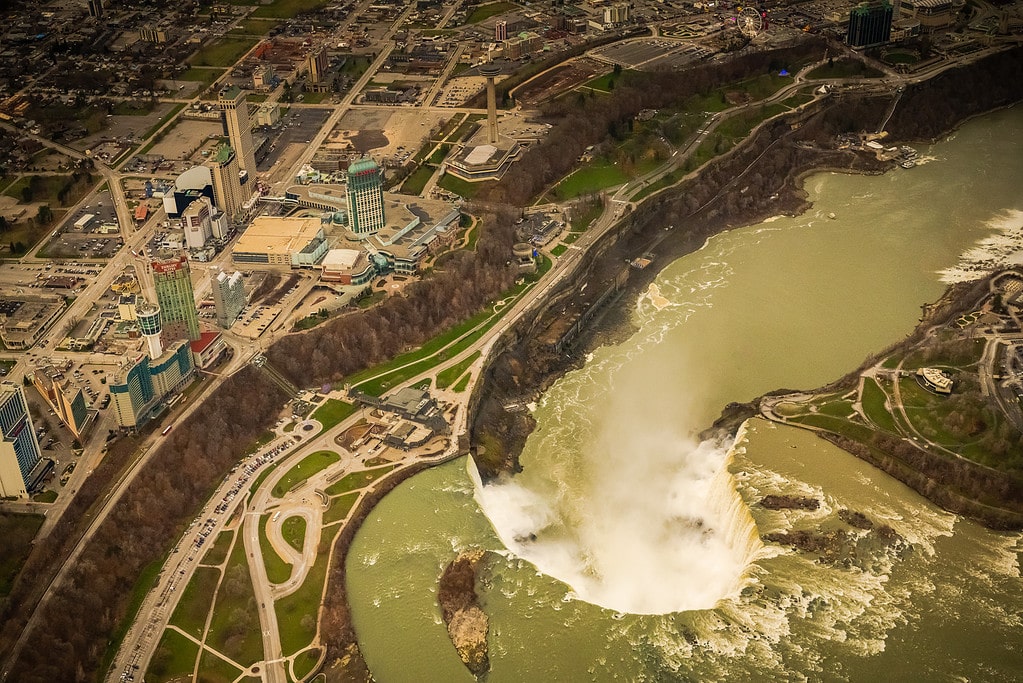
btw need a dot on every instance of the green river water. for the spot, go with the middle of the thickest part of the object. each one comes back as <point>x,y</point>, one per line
<point>626,550</point>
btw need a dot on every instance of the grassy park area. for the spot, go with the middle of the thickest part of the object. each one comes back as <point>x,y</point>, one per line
<point>277,570</point>
<point>297,612</point>
<point>333,412</point>
<point>357,480</point>
<point>234,629</point>
<point>174,658</point>
<point>194,605</point>
<point>484,12</point>
<point>307,467</point>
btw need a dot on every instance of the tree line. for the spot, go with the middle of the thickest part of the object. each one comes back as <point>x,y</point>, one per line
<point>79,621</point>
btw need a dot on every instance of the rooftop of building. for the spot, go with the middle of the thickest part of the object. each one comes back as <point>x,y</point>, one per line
<point>205,340</point>
<point>272,234</point>
<point>363,165</point>
<point>223,155</point>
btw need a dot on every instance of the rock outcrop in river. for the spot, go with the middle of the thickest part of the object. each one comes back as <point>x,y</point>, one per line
<point>467,623</point>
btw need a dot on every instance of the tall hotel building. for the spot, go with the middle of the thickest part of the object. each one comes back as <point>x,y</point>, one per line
<point>870,24</point>
<point>227,189</point>
<point>228,297</point>
<point>236,114</point>
<point>365,197</point>
<point>19,449</point>
<point>173,281</point>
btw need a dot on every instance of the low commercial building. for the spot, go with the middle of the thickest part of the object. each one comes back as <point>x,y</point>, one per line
<point>348,267</point>
<point>24,319</point>
<point>293,242</point>
<point>65,397</point>
<point>208,349</point>
<point>935,380</point>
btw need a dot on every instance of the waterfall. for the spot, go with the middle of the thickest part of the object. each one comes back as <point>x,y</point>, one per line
<point>667,533</point>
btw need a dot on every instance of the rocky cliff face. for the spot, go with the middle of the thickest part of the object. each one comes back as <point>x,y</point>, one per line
<point>467,623</point>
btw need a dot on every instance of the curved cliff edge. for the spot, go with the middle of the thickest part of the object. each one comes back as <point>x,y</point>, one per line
<point>544,346</point>
<point>466,621</point>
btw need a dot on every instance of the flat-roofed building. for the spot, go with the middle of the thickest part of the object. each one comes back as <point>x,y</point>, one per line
<point>197,223</point>
<point>294,242</point>
<point>347,266</point>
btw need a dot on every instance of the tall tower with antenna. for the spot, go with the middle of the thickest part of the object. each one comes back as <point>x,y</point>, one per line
<point>490,71</point>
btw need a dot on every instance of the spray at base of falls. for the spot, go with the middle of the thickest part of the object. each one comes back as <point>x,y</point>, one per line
<point>676,537</point>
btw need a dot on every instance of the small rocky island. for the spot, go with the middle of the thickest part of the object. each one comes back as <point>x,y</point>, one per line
<point>467,623</point>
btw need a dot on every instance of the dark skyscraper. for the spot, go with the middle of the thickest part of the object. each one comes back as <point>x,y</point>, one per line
<point>870,24</point>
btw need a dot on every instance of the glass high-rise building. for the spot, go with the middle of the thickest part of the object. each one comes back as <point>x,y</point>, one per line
<point>228,297</point>
<point>870,24</point>
<point>365,197</point>
<point>19,449</point>
<point>173,281</point>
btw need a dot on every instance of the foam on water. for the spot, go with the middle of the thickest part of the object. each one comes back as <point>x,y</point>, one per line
<point>1001,249</point>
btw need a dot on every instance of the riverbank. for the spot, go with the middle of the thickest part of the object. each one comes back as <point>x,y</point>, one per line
<point>531,364</point>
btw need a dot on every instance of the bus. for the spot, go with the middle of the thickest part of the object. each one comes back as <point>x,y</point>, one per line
<point>165,430</point>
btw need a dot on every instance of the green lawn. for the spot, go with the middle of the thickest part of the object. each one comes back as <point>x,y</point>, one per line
<point>286,9</point>
<point>559,250</point>
<point>417,180</point>
<point>255,26</point>
<point>461,187</point>
<point>357,480</point>
<point>16,534</point>
<point>465,128</point>
<point>174,658</point>
<point>217,553</point>
<point>333,412</point>
<point>202,74</point>
<point>305,661</point>
<point>213,669</point>
<point>293,530</point>
<point>277,570</point>
<point>194,606</point>
<point>447,376</point>
<point>45,496</point>
<point>339,508</point>
<point>48,188</point>
<point>874,399</point>
<point>316,97</point>
<point>484,12</point>
<point>297,613</point>
<point>462,384</point>
<point>594,177</point>
<point>307,467</point>
<point>235,628</point>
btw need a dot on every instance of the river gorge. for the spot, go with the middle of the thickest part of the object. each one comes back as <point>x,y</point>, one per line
<point>629,549</point>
